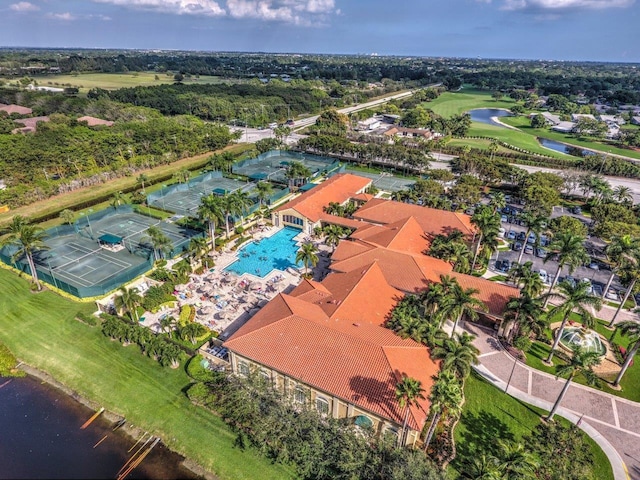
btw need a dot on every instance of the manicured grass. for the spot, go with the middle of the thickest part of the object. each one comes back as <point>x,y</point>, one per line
<point>490,415</point>
<point>539,351</point>
<point>455,103</point>
<point>479,143</point>
<point>523,124</point>
<point>516,138</point>
<point>68,200</point>
<point>40,330</point>
<point>113,81</point>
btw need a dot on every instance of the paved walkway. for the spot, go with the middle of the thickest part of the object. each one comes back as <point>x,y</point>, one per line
<point>613,422</point>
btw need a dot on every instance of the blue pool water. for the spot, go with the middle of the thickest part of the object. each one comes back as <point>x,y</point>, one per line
<point>261,257</point>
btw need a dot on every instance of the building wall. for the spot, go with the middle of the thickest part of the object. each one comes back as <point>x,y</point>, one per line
<point>336,407</point>
<point>284,218</point>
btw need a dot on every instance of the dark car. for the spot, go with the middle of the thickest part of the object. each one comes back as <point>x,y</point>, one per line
<point>502,265</point>
<point>522,236</point>
<point>517,246</point>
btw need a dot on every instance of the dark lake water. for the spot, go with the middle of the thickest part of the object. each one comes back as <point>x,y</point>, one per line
<point>561,147</point>
<point>483,115</point>
<point>40,438</point>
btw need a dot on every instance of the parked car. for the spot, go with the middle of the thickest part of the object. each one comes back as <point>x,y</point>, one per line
<point>577,210</point>
<point>528,249</point>
<point>517,246</point>
<point>522,236</point>
<point>588,282</point>
<point>531,238</point>
<point>541,252</point>
<point>501,232</point>
<point>511,235</point>
<point>570,279</point>
<point>504,219</point>
<point>612,294</point>
<point>503,265</point>
<point>543,276</point>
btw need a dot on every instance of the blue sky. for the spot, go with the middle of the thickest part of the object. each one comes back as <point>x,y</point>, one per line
<point>534,29</point>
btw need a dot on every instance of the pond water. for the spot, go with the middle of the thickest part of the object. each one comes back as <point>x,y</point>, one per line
<point>41,438</point>
<point>483,115</point>
<point>564,148</point>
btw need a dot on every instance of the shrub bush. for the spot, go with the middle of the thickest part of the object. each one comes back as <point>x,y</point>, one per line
<point>88,319</point>
<point>187,315</point>
<point>522,343</point>
<point>239,230</point>
<point>196,371</point>
<point>155,296</point>
<point>198,393</point>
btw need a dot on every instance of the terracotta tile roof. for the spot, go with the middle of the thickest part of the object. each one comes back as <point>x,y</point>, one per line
<point>31,122</point>
<point>93,121</point>
<point>338,188</point>
<point>347,249</point>
<point>363,197</point>
<point>405,235</point>
<point>495,295</point>
<point>432,221</point>
<point>343,222</point>
<point>15,109</point>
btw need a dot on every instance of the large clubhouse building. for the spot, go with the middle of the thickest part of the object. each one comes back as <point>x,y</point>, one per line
<point>326,342</point>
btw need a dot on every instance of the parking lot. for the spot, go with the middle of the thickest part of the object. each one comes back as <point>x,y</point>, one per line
<point>597,271</point>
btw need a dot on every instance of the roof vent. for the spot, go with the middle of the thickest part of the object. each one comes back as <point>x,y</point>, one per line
<point>356,324</point>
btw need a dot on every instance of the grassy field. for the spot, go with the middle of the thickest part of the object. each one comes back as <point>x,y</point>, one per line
<point>114,81</point>
<point>41,331</point>
<point>455,103</point>
<point>490,415</point>
<point>68,200</point>
<point>479,143</point>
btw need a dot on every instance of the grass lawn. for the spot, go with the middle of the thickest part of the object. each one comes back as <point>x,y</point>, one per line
<point>479,143</point>
<point>68,200</point>
<point>114,81</point>
<point>539,351</point>
<point>455,103</point>
<point>40,330</point>
<point>524,125</point>
<point>490,415</point>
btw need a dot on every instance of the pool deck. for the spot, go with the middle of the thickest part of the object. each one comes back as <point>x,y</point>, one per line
<point>225,301</point>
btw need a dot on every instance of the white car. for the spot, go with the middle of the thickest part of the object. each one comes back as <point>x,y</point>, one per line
<point>611,294</point>
<point>543,276</point>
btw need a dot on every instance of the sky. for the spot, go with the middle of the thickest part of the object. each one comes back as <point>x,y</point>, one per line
<point>598,30</point>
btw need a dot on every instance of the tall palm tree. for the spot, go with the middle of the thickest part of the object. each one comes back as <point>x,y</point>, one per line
<point>159,242</point>
<point>573,299</point>
<point>211,210</point>
<point>197,247</point>
<point>461,302</point>
<point>516,462</point>
<point>182,175</point>
<point>435,297</point>
<point>566,249</point>
<point>333,234</point>
<point>522,316</point>
<point>487,223</point>
<point>446,396</point>
<point>142,180</point>
<point>457,355</point>
<point>27,240</point>
<point>167,323</point>
<point>264,190</point>
<point>581,363</point>
<point>117,199</point>
<point>308,255</point>
<point>242,202</point>
<point>622,250</point>
<point>529,279</point>
<point>631,272</point>
<point>535,224</point>
<point>622,194</point>
<point>408,392</point>
<point>128,301</point>
<point>632,330</point>
<point>497,202</point>
<point>231,208</point>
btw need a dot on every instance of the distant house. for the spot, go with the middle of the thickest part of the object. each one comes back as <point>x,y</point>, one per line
<point>390,118</point>
<point>612,119</point>
<point>93,121</point>
<point>550,118</point>
<point>577,116</point>
<point>369,124</point>
<point>409,132</point>
<point>15,109</point>
<point>30,124</point>
<point>564,127</point>
<point>635,120</point>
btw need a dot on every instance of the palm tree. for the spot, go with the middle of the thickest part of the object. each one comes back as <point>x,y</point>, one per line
<point>632,329</point>
<point>142,179</point>
<point>461,302</point>
<point>435,297</point>
<point>211,209</point>
<point>128,301</point>
<point>493,148</point>
<point>573,299</point>
<point>182,269</point>
<point>535,224</point>
<point>408,392</point>
<point>487,223</point>
<point>529,279</point>
<point>117,199</point>
<point>482,467</point>
<point>230,208</point>
<point>167,323</point>
<point>264,191</point>
<point>308,255</point>
<point>566,249</point>
<point>182,175</point>
<point>67,216</point>
<point>446,396</point>
<point>622,249</point>
<point>497,202</point>
<point>191,331</point>
<point>516,462</point>
<point>457,355</point>
<point>631,272</point>
<point>622,194</point>
<point>27,240</point>
<point>333,234</point>
<point>159,242</point>
<point>242,202</point>
<point>523,316</point>
<point>297,174</point>
<point>581,363</point>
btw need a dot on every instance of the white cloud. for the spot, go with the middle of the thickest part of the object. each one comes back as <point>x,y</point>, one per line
<point>300,12</point>
<point>177,7</point>
<point>66,16</point>
<point>24,7</point>
<point>564,5</point>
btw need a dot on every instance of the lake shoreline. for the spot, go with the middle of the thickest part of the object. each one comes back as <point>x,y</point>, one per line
<point>129,429</point>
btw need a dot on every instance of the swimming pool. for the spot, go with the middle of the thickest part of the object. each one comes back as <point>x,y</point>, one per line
<point>261,257</point>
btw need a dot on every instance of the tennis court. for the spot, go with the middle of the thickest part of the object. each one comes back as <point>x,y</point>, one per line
<point>386,181</point>
<point>273,165</point>
<point>80,262</point>
<point>185,198</point>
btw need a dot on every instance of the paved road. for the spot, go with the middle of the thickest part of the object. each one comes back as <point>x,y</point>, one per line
<point>604,417</point>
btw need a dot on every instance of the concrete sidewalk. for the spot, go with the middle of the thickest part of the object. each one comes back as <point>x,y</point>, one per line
<point>613,422</point>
